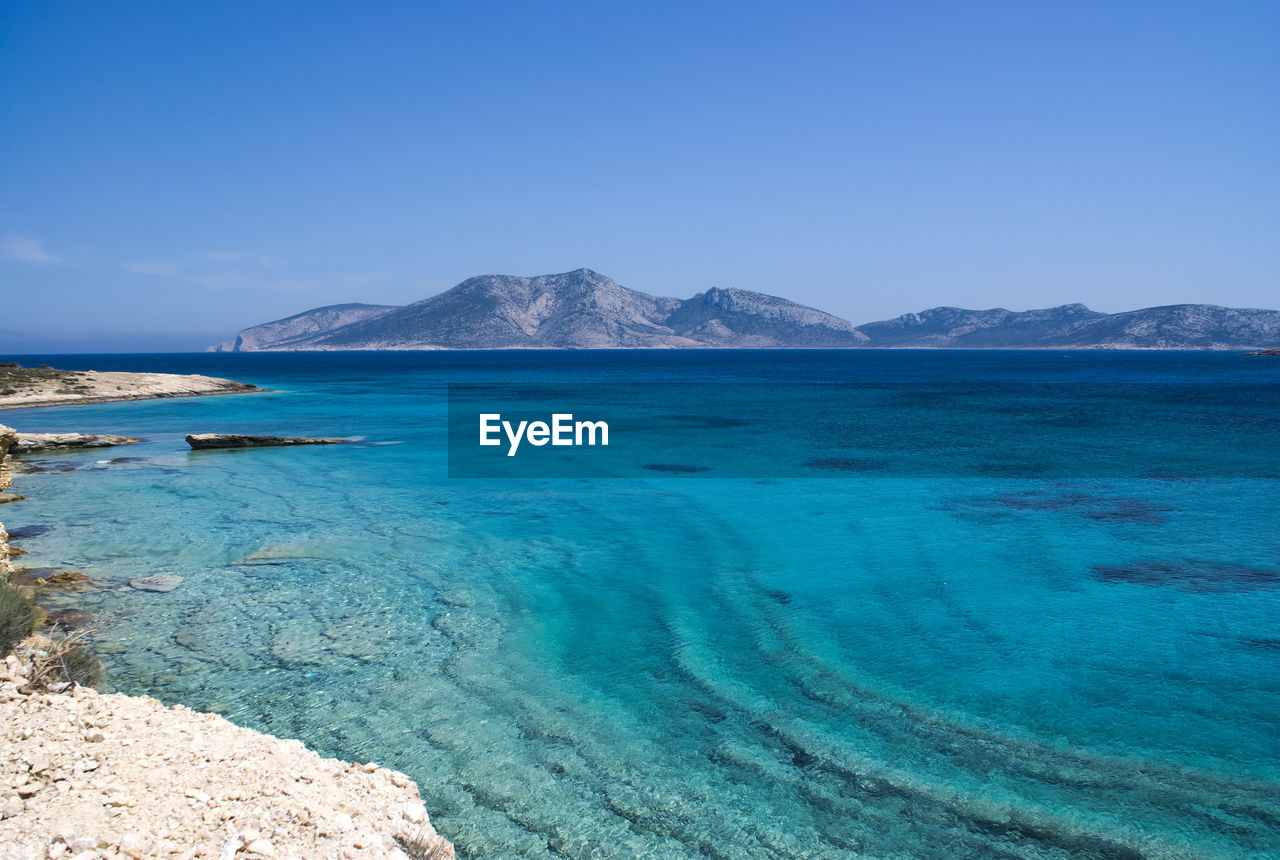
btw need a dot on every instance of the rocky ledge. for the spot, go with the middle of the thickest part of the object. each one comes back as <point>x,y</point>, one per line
<point>203,441</point>
<point>110,777</point>
<point>34,443</point>
<point>1275,351</point>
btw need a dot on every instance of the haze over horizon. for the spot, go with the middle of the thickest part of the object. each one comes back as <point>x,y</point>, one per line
<point>172,174</point>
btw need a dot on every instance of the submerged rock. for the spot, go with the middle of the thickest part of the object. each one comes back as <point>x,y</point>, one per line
<point>32,576</point>
<point>298,645</point>
<point>158,582</point>
<point>203,441</point>
<point>68,577</point>
<point>1191,575</point>
<point>69,619</point>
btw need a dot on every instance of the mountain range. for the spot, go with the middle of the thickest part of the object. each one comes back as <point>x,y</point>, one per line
<point>586,310</point>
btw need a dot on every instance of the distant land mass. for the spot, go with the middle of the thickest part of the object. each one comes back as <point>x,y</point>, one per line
<point>1077,327</point>
<point>586,310</point>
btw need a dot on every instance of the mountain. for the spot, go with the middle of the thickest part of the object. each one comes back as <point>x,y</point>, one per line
<point>586,310</point>
<point>574,310</point>
<point>289,332</point>
<point>1077,327</point>
<point>958,327</point>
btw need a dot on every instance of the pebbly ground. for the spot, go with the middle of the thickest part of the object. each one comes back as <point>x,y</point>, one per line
<point>85,776</point>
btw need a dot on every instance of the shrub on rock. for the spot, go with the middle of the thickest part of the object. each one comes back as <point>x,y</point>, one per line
<point>17,617</point>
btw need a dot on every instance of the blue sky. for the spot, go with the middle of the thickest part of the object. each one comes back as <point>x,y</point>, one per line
<point>179,171</point>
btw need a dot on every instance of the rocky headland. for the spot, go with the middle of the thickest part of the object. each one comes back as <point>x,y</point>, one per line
<point>34,443</point>
<point>21,387</point>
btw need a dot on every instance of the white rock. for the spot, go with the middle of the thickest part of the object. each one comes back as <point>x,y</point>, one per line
<point>160,582</point>
<point>276,799</point>
<point>261,846</point>
<point>131,845</point>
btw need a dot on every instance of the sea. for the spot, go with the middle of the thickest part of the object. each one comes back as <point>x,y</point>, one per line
<point>882,604</point>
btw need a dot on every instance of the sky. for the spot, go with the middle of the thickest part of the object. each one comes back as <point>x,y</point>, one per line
<point>173,172</point>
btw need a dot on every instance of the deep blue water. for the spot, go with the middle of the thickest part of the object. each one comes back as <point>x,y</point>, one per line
<point>911,663</point>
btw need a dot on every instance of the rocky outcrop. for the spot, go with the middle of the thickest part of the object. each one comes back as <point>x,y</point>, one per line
<point>6,566</point>
<point>8,438</point>
<point>93,775</point>
<point>203,441</point>
<point>1265,352</point>
<point>34,443</point>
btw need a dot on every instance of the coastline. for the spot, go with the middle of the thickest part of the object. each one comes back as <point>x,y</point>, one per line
<point>122,399</point>
<point>91,775</point>
<point>27,388</point>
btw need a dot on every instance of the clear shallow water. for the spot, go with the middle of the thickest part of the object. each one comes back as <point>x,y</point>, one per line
<point>667,667</point>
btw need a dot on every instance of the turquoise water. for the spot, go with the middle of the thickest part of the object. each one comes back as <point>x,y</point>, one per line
<point>883,665</point>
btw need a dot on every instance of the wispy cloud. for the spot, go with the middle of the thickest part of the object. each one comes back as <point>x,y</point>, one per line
<point>234,270</point>
<point>23,249</point>
<point>226,257</point>
<point>156,268</point>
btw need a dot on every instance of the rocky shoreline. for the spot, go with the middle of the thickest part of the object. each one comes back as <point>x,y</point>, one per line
<point>88,776</point>
<point>112,777</point>
<point>21,387</point>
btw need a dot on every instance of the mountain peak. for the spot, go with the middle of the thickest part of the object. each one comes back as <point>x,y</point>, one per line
<point>583,309</point>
